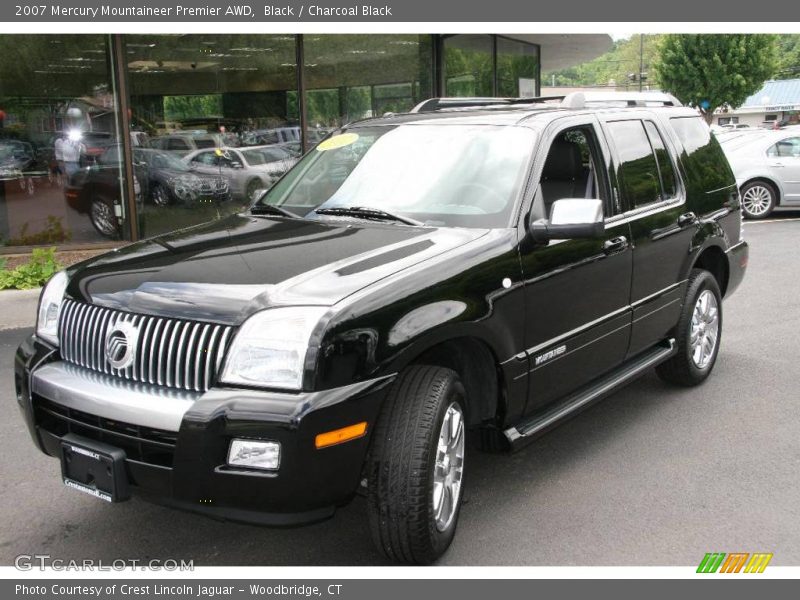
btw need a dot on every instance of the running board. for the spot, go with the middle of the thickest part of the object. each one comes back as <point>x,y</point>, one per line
<point>529,430</point>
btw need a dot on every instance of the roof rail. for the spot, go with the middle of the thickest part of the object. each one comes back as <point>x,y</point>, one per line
<point>434,104</point>
<point>578,100</point>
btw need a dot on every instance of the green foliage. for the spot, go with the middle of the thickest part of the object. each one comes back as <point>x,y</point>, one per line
<point>179,108</point>
<point>713,70</point>
<point>613,67</point>
<point>53,233</point>
<point>35,273</point>
<point>789,56</point>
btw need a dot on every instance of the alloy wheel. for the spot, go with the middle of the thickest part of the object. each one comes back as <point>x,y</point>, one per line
<point>448,469</point>
<point>757,200</point>
<point>103,218</point>
<point>704,329</point>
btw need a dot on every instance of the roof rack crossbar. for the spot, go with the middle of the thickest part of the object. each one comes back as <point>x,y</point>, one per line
<point>434,104</point>
<point>578,100</point>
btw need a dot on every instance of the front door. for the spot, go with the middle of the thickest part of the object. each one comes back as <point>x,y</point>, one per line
<point>576,291</point>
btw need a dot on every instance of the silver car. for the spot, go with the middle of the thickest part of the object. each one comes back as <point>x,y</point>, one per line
<point>767,169</point>
<point>247,170</point>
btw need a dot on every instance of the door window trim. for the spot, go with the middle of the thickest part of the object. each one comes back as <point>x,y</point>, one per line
<point>632,214</point>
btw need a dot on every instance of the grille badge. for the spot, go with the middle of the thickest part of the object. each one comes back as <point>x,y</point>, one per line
<point>121,343</point>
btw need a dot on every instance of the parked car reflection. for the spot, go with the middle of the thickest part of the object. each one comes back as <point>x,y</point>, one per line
<point>165,179</point>
<point>247,170</point>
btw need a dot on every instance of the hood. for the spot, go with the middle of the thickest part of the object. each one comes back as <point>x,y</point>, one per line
<point>226,270</point>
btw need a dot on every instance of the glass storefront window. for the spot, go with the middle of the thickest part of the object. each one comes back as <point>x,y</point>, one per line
<point>212,118</point>
<point>217,117</point>
<point>468,65</point>
<point>59,182</point>
<point>517,68</point>
<point>352,77</point>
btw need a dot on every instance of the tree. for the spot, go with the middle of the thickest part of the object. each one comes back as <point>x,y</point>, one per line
<point>614,67</point>
<point>789,62</point>
<point>708,71</point>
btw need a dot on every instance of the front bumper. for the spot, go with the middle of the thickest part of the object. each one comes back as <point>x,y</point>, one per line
<point>176,443</point>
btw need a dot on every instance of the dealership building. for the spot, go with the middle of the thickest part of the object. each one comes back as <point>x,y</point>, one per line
<point>777,102</point>
<point>125,118</point>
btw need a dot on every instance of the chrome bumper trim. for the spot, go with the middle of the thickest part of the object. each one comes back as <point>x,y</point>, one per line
<point>111,397</point>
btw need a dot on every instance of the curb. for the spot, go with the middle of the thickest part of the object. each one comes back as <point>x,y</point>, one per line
<point>18,308</point>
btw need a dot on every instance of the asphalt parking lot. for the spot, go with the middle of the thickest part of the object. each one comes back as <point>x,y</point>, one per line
<point>653,475</point>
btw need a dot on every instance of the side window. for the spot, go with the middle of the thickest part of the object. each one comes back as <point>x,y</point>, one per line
<point>638,169</point>
<point>573,169</point>
<point>204,158</point>
<point>665,168</point>
<point>177,144</point>
<point>789,147</point>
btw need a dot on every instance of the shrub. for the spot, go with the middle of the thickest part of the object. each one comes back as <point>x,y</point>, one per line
<point>34,273</point>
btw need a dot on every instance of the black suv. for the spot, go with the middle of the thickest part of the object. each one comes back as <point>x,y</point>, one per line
<point>489,266</point>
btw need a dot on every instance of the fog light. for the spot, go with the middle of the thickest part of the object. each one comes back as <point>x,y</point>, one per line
<point>254,454</point>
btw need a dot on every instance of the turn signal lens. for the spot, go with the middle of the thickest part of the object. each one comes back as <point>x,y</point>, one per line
<point>338,436</point>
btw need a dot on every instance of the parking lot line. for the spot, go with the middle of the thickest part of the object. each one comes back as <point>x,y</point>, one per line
<point>748,223</point>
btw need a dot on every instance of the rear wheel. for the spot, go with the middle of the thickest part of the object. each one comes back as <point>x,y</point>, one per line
<point>698,333</point>
<point>758,199</point>
<point>416,465</point>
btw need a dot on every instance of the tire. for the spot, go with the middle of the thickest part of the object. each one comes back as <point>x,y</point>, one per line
<point>160,195</point>
<point>758,199</point>
<point>693,363</point>
<point>101,214</point>
<point>405,468</point>
<point>250,190</point>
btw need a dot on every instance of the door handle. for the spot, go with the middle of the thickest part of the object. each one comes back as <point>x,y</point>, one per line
<point>687,219</point>
<point>614,245</point>
<point>778,165</point>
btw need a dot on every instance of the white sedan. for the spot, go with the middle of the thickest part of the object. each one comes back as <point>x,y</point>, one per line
<point>767,169</point>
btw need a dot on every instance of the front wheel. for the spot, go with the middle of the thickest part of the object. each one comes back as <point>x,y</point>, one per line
<point>416,465</point>
<point>698,333</point>
<point>253,186</point>
<point>103,217</point>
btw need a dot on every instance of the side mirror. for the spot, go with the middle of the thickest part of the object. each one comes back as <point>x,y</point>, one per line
<point>235,164</point>
<point>570,218</point>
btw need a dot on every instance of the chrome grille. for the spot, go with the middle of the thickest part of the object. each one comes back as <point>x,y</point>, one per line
<point>171,352</point>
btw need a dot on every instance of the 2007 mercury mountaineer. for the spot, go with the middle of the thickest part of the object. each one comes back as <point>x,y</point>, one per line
<point>481,265</point>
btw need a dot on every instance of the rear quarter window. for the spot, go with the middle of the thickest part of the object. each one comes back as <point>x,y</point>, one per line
<point>703,160</point>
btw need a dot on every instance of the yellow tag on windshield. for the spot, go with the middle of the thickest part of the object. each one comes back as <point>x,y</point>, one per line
<point>337,141</point>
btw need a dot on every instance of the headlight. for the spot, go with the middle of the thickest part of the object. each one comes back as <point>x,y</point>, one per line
<point>50,308</point>
<point>270,348</point>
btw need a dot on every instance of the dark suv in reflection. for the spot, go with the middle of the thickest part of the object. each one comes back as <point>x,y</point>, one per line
<point>160,178</point>
<point>481,266</point>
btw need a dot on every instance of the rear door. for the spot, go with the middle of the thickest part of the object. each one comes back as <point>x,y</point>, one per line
<point>662,227</point>
<point>576,291</point>
<point>784,162</point>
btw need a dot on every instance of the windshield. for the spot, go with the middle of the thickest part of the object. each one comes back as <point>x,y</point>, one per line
<point>163,160</point>
<point>451,175</point>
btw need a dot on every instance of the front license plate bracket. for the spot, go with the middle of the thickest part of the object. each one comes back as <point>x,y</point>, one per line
<point>94,468</point>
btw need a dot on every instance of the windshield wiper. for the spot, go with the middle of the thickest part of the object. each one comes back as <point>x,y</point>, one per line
<point>365,212</point>
<point>270,209</point>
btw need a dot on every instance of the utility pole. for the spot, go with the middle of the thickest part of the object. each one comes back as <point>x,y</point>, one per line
<point>641,59</point>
